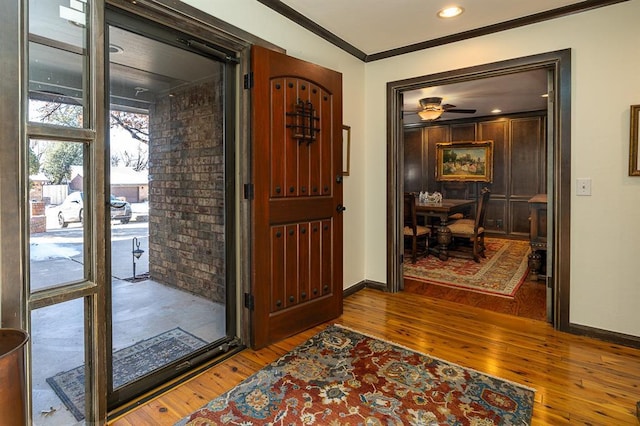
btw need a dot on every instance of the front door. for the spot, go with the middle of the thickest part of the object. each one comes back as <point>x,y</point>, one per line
<point>297,205</point>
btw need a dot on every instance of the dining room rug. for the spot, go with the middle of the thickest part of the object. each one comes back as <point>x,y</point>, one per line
<point>129,364</point>
<point>501,273</point>
<point>343,377</point>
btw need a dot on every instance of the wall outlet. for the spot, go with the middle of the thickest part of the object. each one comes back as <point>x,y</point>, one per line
<point>583,186</point>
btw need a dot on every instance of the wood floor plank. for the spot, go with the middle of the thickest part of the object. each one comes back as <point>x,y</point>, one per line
<point>578,380</point>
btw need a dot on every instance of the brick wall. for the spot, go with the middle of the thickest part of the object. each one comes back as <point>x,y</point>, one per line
<point>186,191</point>
<point>38,220</point>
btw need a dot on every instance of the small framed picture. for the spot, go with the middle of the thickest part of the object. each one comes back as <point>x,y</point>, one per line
<point>346,150</point>
<point>634,159</point>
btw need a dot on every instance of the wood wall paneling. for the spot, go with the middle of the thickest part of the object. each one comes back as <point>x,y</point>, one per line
<point>463,132</point>
<point>497,132</point>
<point>519,165</point>
<point>526,152</point>
<point>435,135</point>
<point>494,221</point>
<point>518,217</point>
<point>413,160</point>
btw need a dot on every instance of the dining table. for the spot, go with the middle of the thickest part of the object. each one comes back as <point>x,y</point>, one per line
<point>442,210</point>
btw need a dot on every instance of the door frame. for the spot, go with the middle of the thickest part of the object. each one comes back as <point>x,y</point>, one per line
<point>558,170</point>
<point>190,20</point>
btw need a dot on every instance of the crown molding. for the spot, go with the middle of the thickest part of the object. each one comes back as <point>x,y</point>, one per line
<point>307,23</point>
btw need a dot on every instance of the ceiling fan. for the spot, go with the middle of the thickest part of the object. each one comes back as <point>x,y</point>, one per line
<point>432,108</point>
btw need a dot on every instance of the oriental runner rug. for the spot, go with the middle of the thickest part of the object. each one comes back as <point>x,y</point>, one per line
<point>129,364</point>
<point>342,377</point>
<point>501,273</point>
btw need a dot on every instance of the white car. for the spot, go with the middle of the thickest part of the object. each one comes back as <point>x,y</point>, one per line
<point>72,209</point>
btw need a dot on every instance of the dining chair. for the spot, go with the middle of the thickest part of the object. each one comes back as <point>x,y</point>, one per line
<point>472,230</point>
<point>412,231</point>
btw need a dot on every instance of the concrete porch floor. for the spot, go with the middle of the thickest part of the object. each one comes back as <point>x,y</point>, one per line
<point>141,310</point>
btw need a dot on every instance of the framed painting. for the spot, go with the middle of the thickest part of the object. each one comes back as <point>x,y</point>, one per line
<point>634,159</point>
<point>464,161</point>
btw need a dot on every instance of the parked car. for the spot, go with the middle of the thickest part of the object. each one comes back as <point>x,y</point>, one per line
<point>72,209</point>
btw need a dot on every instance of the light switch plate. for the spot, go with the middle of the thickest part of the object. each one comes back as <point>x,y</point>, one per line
<point>583,186</point>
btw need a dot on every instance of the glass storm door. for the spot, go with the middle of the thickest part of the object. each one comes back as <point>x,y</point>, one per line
<point>169,212</point>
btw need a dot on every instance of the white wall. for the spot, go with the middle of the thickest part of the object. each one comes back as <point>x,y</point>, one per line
<point>605,228</point>
<point>605,43</point>
<point>259,20</point>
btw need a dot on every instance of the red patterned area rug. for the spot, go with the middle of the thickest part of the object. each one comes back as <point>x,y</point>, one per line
<point>501,273</point>
<point>342,377</point>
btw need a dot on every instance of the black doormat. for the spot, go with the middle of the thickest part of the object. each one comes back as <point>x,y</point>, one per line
<point>129,364</point>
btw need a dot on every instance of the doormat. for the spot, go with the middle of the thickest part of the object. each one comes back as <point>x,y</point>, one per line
<point>341,377</point>
<point>129,364</point>
<point>501,273</point>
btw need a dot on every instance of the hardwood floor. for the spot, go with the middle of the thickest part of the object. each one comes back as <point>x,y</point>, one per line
<point>578,380</point>
<point>529,301</point>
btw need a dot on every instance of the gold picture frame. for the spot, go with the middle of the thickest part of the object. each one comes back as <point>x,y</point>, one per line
<point>346,150</point>
<point>634,154</point>
<point>464,161</point>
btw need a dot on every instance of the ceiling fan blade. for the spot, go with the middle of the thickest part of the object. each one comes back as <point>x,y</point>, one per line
<point>461,110</point>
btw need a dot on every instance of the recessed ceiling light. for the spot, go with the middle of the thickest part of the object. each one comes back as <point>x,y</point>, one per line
<point>450,12</point>
<point>496,111</point>
<point>115,49</point>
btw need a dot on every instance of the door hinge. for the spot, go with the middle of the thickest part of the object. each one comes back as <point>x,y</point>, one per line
<point>248,81</point>
<point>249,301</point>
<point>248,191</point>
<point>401,259</point>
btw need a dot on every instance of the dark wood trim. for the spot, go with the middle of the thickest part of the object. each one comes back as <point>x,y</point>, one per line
<point>376,285</point>
<point>362,285</point>
<point>308,24</point>
<point>354,289</point>
<point>561,198</point>
<point>560,194</point>
<point>605,335</point>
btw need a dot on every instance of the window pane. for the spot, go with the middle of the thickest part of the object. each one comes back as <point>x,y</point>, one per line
<point>57,350</point>
<point>61,21</point>
<point>56,201</point>
<point>55,86</point>
<point>57,52</point>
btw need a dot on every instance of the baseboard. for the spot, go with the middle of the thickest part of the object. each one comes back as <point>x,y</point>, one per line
<point>376,285</point>
<point>362,285</point>
<point>606,335</point>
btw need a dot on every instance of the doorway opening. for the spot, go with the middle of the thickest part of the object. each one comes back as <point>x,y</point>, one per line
<point>557,170</point>
<point>146,275</point>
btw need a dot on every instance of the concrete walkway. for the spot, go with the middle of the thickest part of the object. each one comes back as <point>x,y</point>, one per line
<point>141,309</point>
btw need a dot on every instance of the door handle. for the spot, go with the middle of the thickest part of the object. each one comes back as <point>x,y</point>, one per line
<point>340,208</point>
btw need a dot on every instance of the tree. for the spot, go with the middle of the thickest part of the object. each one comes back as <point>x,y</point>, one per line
<point>138,161</point>
<point>63,114</point>
<point>136,124</point>
<point>70,115</point>
<point>59,158</point>
<point>34,162</point>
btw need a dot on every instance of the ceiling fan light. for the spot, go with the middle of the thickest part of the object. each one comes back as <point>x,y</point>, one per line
<point>450,12</point>
<point>430,114</point>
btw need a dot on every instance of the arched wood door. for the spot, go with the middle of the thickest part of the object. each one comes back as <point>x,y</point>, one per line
<point>297,205</point>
